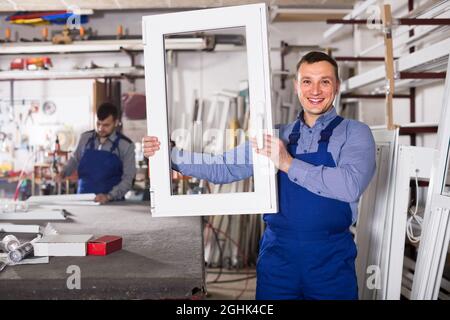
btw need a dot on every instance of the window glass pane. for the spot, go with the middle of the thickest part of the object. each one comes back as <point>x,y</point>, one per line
<point>207,96</point>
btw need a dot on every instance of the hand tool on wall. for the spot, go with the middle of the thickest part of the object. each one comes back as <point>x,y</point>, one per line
<point>119,31</point>
<point>34,108</point>
<point>8,35</point>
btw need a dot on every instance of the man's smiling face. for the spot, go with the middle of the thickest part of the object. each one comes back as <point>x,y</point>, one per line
<point>316,87</point>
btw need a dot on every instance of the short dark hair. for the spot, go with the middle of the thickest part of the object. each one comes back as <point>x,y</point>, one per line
<point>316,56</point>
<point>107,109</point>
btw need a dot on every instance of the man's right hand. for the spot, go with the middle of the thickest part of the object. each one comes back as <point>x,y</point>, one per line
<point>150,145</point>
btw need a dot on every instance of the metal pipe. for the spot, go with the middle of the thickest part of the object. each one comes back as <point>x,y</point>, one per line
<point>411,31</point>
<point>412,111</point>
<point>422,22</point>
<point>421,183</point>
<point>346,58</point>
<point>401,21</point>
<point>412,91</point>
<point>413,130</point>
<point>422,75</point>
<point>372,96</point>
<point>349,21</point>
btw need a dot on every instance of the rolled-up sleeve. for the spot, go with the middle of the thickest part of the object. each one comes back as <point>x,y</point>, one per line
<point>233,165</point>
<point>72,165</point>
<point>129,173</point>
<point>352,174</point>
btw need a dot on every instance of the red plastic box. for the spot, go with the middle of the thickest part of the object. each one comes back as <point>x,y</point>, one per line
<point>104,245</point>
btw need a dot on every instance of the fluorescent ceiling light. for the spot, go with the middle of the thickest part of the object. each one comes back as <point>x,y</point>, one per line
<point>185,44</point>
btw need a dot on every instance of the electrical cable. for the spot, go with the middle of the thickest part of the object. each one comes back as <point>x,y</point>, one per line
<point>229,272</point>
<point>241,253</point>
<point>414,217</point>
<point>216,236</point>
<point>236,280</point>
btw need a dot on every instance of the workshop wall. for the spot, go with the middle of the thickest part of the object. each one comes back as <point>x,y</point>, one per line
<point>105,23</point>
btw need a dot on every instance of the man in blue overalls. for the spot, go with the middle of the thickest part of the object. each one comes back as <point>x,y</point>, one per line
<point>325,163</point>
<point>104,158</point>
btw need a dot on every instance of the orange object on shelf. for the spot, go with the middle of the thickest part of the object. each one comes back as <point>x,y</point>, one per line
<point>120,31</point>
<point>38,63</point>
<point>45,33</point>
<point>8,34</point>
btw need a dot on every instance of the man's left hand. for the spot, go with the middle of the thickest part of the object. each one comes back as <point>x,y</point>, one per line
<point>275,150</point>
<point>102,198</point>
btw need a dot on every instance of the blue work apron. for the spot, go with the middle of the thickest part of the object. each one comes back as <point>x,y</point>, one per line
<point>99,171</point>
<point>307,250</point>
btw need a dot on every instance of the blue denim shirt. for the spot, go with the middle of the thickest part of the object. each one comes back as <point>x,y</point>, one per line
<point>352,147</point>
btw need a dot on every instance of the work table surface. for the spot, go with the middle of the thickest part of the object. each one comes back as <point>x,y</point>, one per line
<point>161,258</point>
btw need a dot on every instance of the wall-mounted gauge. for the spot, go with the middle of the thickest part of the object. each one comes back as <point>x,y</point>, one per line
<point>49,107</point>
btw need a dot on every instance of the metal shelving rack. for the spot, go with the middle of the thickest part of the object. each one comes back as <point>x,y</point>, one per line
<point>405,73</point>
<point>419,68</point>
<point>131,47</point>
<point>110,73</point>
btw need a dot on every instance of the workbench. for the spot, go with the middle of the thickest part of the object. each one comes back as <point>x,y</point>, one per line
<point>161,258</point>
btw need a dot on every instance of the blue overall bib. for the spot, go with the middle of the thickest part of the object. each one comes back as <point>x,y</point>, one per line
<point>99,171</point>
<point>307,251</point>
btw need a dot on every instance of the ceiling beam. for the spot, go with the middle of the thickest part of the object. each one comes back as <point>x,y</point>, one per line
<point>39,5</point>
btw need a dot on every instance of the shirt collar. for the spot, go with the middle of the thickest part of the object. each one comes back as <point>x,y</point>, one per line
<point>112,137</point>
<point>323,119</point>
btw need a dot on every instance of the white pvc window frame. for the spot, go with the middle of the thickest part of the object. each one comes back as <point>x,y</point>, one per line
<point>254,19</point>
<point>436,226</point>
<point>374,212</point>
<point>382,221</point>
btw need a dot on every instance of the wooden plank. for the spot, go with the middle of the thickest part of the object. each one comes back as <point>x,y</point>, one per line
<point>389,64</point>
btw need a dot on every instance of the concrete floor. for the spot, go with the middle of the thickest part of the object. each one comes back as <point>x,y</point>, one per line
<point>239,290</point>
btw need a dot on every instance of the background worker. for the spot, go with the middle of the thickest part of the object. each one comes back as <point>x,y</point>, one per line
<point>104,158</point>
